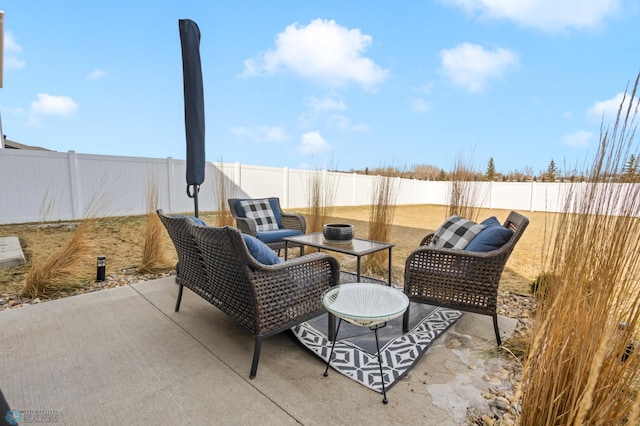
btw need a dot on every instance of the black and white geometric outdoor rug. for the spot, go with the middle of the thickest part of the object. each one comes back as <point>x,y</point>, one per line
<point>355,352</point>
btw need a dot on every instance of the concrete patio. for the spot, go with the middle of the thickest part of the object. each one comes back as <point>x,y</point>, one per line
<point>123,356</point>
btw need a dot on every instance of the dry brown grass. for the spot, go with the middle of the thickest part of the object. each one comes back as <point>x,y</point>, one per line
<point>465,196</point>
<point>46,275</point>
<point>223,217</point>
<point>120,240</point>
<point>154,253</point>
<point>321,192</point>
<point>575,372</point>
<point>383,207</point>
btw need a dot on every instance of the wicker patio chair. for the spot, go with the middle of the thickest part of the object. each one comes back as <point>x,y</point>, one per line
<point>190,271</point>
<point>266,299</point>
<point>289,224</point>
<point>459,279</point>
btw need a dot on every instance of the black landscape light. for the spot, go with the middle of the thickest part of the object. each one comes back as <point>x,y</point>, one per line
<point>102,266</point>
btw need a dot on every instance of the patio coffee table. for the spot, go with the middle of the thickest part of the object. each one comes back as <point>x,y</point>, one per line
<point>356,247</point>
<point>366,305</point>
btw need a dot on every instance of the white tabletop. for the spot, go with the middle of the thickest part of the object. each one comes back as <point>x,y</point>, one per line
<point>365,304</point>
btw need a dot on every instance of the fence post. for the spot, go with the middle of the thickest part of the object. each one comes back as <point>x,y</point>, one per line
<point>285,177</point>
<point>355,189</point>
<point>170,180</point>
<point>531,196</point>
<point>74,186</point>
<point>238,175</point>
<point>490,194</point>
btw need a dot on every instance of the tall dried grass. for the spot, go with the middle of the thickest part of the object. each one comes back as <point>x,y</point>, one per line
<point>155,256</point>
<point>580,369</point>
<point>465,192</point>
<point>224,192</point>
<point>321,194</point>
<point>51,273</point>
<point>383,208</point>
<point>57,271</point>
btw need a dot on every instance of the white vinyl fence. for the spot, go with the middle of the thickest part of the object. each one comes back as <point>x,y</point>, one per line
<point>50,186</point>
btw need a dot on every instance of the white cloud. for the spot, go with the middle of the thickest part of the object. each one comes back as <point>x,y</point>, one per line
<point>342,122</point>
<point>63,106</point>
<point>12,48</point>
<point>312,143</point>
<point>261,133</point>
<point>579,139</point>
<point>10,43</point>
<point>546,15</point>
<point>425,89</point>
<point>96,74</point>
<point>13,63</point>
<point>472,66</point>
<point>325,111</point>
<point>606,111</point>
<point>328,103</point>
<point>322,51</point>
<point>421,105</point>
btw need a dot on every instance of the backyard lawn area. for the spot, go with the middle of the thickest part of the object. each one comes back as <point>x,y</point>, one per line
<point>120,240</point>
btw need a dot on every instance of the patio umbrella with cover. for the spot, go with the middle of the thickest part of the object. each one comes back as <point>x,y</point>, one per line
<point>193,107</point>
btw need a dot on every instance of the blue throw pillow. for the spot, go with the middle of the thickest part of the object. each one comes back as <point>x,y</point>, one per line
<point>490,238</point>
<point>193,219</point>
<point>260,251</point>
<point>491,221</point>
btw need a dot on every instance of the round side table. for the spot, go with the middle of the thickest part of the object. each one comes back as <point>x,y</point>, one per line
<point>367,305</point>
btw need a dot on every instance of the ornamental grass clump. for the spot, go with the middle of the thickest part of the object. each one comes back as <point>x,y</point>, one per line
<point>581,367</point>
<point>61,269</point>
<point>321,194</point>
<point>154,250</point>
<point>223,215</point>
<point>383,208</point>
<point>53,273</point>
<point>465,193</point>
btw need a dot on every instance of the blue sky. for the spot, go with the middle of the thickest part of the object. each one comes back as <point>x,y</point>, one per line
<point>350,83</point>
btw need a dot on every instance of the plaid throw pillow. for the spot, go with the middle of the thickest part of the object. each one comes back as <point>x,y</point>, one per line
<point>456,233</point>
<point>260,211</point>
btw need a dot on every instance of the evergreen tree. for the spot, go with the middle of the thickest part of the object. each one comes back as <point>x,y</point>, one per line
<point>630,170</point>
<point>552,172</point>
<point>490,175</point>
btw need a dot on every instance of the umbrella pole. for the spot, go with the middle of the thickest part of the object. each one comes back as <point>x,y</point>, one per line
<point>194,195</point>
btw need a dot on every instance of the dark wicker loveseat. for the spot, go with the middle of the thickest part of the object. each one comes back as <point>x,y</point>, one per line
<point>266,299</point>
<point>459,279</point>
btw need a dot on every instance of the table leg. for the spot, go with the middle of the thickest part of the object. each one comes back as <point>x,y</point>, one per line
<point>286,250</point>
<point>384,391</point>
<point>389,265</point>
<point>326,370</point>
<point>358,269</point>
<point>331,332</point>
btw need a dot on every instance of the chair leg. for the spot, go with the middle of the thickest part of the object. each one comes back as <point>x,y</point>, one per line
<point>405,320</point>
<point>179,297</point>
<point>495,328</point>
<point>256,357</point>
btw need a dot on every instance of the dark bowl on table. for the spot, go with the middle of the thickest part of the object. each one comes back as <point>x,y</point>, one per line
<point>338,232</point>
